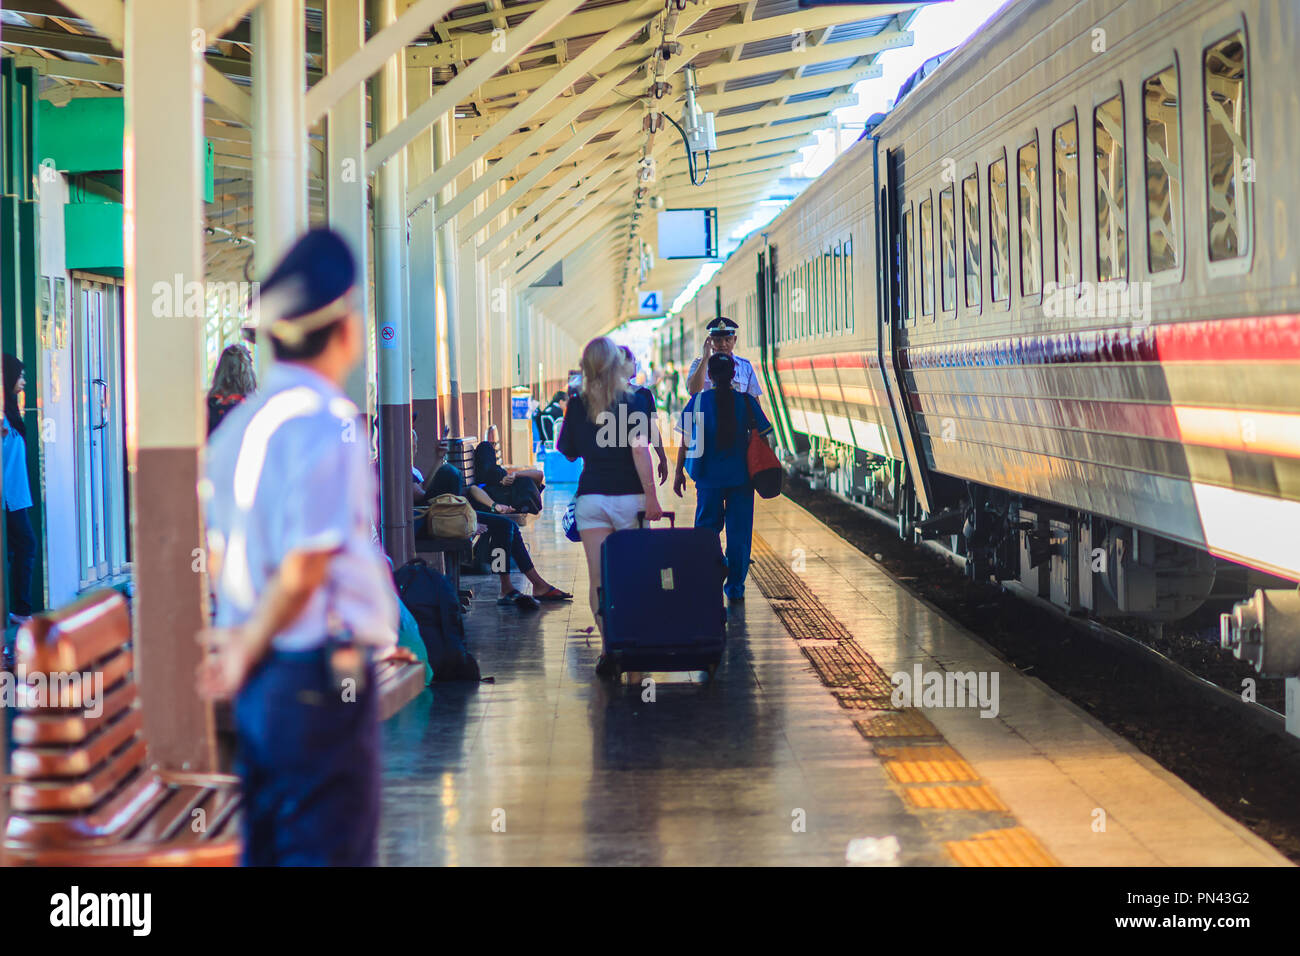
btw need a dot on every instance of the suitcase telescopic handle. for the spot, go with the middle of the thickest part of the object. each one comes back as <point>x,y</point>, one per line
<point>670,515</point>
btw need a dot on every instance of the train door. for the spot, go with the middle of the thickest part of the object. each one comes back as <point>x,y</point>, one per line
<point>765,280</point>
<point>101,439</point>
<point>890,287</point>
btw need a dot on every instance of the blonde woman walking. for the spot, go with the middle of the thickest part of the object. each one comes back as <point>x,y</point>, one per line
<point>608,426</point>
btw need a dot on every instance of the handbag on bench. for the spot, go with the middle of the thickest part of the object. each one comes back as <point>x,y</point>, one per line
<point>450,516</point>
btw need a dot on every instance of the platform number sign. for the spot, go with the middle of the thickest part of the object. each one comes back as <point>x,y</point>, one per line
<point>650,303</point>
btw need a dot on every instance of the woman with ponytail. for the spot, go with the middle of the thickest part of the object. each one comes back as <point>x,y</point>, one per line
<point>715,427</point>
<point>608,426</point>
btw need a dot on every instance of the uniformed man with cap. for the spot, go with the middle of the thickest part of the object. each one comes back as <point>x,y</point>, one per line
<point>722,338</point>
<point>304,596</point>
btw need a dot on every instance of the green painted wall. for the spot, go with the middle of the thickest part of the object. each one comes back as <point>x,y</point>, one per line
<point>92,233</point>
<point>82,137</point>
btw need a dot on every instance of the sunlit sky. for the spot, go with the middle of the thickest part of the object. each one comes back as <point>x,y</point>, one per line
<point>937,27</point>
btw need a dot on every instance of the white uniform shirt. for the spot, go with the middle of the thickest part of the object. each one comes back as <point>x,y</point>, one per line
<point>288,470</point>
<point>746,379</point>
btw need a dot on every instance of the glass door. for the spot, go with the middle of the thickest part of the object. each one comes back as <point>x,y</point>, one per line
<point>101,490</point>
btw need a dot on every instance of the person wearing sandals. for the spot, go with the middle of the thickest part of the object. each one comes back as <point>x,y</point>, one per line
<point>715,426</point>
<point>504,538</point>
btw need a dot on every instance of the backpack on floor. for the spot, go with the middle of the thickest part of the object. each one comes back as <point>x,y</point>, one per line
<point>434,604</point>
<point>480,558</point>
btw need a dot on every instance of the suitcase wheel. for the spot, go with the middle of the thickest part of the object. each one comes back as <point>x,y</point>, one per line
<point>607,667</point>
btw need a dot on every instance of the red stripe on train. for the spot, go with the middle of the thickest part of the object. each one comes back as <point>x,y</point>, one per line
<point>836,360</point>
<point>1258,339</point>
<point>1274,338</point>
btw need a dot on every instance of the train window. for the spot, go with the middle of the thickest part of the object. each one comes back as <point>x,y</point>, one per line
<point>909,265</point>
<point>927,257</point>
<point>999,232</point>
<point>1112,210</point>
<point>1227,147</point>
<point>793,305</point>
<point>783,309</point>
<point>819,305</point>
<point>798,303</point>
<point>814,283</point>
<point>970,205</point>
<point>846,302</point>
<point>1031,227</point>
<point>1164,176</point>
<point>809,300</point>
<point>848,279</point>
<point>790,300</point>
<point>842,282</point>
<point>1065,196</point>
<point>948,248</point>
<point>784,286</point>
<point>831,262</point>
<point>831,266</point>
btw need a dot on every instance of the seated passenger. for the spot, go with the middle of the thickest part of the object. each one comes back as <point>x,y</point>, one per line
<point>520,489</point>
<point>549,418</point>
<point>505,539</point>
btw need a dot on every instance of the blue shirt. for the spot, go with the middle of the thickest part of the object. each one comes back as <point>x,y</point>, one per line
<point>605,446</point>
<point>709,465</point>
<point>289,470</point>
<point>17,493</point>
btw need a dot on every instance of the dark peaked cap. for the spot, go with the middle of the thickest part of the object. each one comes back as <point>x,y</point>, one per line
<point>722,326</point>
<point>308,289</point>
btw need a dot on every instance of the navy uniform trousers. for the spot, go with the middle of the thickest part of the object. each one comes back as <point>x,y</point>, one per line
<point>731,509</point>
<point>309,764</point>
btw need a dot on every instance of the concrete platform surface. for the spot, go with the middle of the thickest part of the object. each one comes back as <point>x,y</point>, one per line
<point>776,761</point>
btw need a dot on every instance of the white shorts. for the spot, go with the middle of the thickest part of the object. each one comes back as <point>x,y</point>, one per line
<point>616,512</point>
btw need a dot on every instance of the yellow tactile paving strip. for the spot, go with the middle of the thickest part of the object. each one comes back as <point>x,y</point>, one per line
<point>1012,847</point>
<point>977,797</point>
<point>798,608</point>
<point>932,775</point>
<point>897,723</point>
<point>935,763</point>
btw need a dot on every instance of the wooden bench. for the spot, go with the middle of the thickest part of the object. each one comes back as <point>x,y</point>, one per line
<point>399,683</point>
<point>81,792</point>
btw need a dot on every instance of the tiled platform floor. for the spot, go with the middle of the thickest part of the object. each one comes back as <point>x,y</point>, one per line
<point>551,766</point>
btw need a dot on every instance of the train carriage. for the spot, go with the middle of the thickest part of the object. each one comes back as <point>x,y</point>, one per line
<point>1046,311</point>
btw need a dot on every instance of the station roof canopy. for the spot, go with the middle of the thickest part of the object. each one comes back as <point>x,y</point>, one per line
<point>551,99</point>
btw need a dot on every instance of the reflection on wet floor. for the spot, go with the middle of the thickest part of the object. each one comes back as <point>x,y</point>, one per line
<point>550,765</point>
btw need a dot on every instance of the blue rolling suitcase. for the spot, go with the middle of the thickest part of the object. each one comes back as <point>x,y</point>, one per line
<point>661,600</point>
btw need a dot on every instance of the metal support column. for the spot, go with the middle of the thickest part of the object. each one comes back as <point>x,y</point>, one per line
<point>345,146</point>
<point>388,98</point>
<point>423,286</point>
<point>444,146</point>
<point>279,135</point>
<point>163,160</point>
